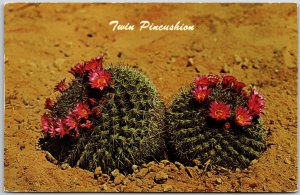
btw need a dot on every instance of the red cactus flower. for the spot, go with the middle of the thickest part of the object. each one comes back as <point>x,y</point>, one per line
<point>94,64</point>
<point>99,79</point>
<point>82,110</point>
<point>219,110</point>
<point>46,122</point>
<point>61,86</point>
<point>228,81</point>
<point>47,125</point>
<point>209,80</point>
<point>201,81</point>
<point>72,122</point>
<point>238,86</point>
<point>49,104</point>
<point>256,103</point>
<point>213,80</point>
<point>201,93</point>
<point>61,129</point>
<point>87,124</point>
<point>77,70</point>
<point>242,116</point>
<point>97,111</point>
<point>227,125</point>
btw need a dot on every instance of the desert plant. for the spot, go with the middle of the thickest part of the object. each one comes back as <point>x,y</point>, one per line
<point>112,118</point>
<point>216,120</point>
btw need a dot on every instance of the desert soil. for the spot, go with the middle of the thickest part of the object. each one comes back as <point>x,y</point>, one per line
<point>255,42</point>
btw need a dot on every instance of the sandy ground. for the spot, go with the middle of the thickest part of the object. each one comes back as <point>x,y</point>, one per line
<point>255,42</point>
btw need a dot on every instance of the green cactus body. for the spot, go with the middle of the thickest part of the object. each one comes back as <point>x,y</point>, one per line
<point>192,134</point>
<point>128,131</point>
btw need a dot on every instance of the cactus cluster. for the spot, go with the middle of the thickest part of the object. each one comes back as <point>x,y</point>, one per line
<point>216,120</point>
<point>112,118</point>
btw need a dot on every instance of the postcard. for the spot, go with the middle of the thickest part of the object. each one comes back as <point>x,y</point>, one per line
<point>150,97</point>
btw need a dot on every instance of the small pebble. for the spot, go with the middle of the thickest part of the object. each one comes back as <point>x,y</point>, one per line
<point>115,173</point>
<point>101,181</point>
<point>287,161</point>
<point>168,188</point>
<point>97,172</point>
<point>161,177</point>
<point>219,181</point>
<point>244,66</point>
<point>142,173</point>
<point>5,59</point>
<point>255,66</point>
<point>25,102</point>
<point>293,178</point>
<point>225,69</point>
<point>209,174</point>
<point>197,46</point>
<point>171,176</point>
<point>126,181</point>
<point>165,162</point>
<point>121,188</point>
<point>67,53</point>
<point>135,168</point>
<point>120,54</point>
<point>253,162</point>
<point>190,62</point>
<point>139,183</point>
<point>65,166</point>
<point>22,146</point>
<point>119,179</point>
<point>104,187</point>
<point>237,58</point>
<point>105,177</point>
<point>131,178</point>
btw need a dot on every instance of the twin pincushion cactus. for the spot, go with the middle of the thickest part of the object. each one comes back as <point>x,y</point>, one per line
<point>216,120</point>
<point>114,118</point>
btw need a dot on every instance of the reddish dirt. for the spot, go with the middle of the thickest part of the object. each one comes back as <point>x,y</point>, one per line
<point>255,42</point>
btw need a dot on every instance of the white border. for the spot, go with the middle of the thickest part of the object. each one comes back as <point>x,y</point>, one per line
<point>151,1</point>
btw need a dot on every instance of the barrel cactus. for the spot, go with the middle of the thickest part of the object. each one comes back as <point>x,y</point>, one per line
<point>216,120</point>
<point>112,118</point>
